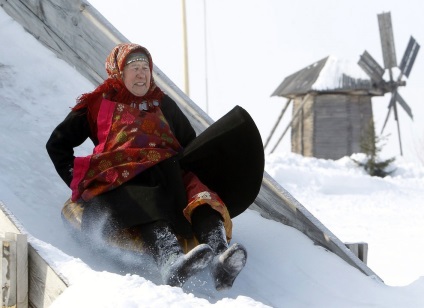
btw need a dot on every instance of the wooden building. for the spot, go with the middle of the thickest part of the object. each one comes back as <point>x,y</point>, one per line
<point>331,108</point>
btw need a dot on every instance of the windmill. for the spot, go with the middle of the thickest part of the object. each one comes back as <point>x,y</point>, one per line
<point>376,72</point>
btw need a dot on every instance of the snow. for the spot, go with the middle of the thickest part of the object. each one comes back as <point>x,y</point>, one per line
<point>333,72</point>
<point>284,267</point>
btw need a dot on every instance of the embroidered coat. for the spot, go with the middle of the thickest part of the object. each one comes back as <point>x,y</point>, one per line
<point>156,188</point>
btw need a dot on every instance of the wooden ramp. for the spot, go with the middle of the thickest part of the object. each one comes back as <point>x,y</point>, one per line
<point>81,36</point>
<point>44,284</point>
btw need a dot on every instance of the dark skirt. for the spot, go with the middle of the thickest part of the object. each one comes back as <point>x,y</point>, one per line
<point>156,194</point>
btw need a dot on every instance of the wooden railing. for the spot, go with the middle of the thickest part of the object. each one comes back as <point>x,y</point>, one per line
<point>29,280</point>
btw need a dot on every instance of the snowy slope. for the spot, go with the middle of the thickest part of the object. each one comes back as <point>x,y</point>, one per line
<point>284,268</point>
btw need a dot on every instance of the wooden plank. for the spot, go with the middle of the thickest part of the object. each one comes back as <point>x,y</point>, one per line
<point>302,127</point>
<point>387,40</point>
<point>76,32</point>
<point>21,268</point>
<point>8,285</point>
<point>360,250</point>
<point>45,284</point>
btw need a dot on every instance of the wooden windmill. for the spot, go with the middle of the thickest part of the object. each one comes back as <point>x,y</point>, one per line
<point>376,72</point>
<point>331,121</point>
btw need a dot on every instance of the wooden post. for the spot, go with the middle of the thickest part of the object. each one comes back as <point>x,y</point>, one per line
<point>276,124</point>
<point>360,250</point>
<point>14,270</point>
<point>305,99</point>
<point>185,50</point>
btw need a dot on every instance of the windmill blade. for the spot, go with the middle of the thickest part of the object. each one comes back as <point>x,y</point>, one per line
<point>404,105</point>
<point>371,67</point>
<point>391,104</point>
<point>409,56</point>
<point>387,40</point>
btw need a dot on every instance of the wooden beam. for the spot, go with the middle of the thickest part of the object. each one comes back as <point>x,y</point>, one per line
<point>360,250</point>
<point>185,49</point>
<point>8,256</point>
<point>45,285</point>
<point>19,270</point>
<point>278,122</point>
<point>305,99</point>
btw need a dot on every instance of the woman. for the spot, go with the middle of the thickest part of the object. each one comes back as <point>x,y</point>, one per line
<point>133,185</point>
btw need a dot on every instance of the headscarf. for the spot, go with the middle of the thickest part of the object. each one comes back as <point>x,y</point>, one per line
<point>136,56</point>
<point>114,88</point>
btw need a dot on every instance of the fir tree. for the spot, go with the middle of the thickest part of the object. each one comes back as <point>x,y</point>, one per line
<point>371,148</point>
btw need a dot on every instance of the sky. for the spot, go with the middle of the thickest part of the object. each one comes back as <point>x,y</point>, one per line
<point>36,91</point>
<point>252,45</point>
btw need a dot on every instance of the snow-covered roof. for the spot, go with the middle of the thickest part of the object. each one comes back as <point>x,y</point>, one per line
<point>335,71</point>
<point>327,75</point>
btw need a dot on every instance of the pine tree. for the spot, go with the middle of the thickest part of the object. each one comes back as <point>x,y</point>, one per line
<point>371,148</point>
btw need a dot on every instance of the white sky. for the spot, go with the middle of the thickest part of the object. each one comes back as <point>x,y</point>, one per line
<point>36,91</point>
<point>254,44</point>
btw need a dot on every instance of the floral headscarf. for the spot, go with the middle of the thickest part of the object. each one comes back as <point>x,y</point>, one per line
<point>113,88</point>
<point>116,60</point>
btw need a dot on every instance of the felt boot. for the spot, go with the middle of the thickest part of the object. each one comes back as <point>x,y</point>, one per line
<point>174,266</point>
<point>228,262</point>
<point>226,266</point>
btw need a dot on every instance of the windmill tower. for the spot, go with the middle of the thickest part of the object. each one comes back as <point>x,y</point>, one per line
<point>330,122</point>
<point>376,72</point>
<point>332,109</point>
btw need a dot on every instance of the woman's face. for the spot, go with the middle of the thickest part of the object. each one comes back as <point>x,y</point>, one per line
<point>136,77</point>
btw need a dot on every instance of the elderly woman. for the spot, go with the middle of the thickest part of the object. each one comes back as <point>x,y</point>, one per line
<point>134,183</point>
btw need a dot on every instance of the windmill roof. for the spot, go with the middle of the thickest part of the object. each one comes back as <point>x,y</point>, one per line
<point>327,75</point>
